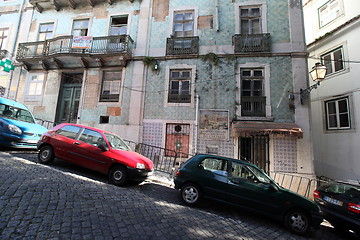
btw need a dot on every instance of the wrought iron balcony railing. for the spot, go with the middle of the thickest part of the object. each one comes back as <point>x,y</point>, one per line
<point>252,43</point>
<point>179,98</point>
<point>109,97</point>
<point>182,45</point>
<point>3,53</point>
<point>64,45</point>
<point>253,106</point>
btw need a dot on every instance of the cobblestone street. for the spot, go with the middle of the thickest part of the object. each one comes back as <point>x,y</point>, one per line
<point>62,201</point>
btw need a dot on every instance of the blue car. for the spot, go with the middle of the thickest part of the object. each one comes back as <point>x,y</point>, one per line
<point>18,127</point>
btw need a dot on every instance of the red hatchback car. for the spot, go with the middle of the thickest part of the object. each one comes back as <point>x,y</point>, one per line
<point>95,149</point>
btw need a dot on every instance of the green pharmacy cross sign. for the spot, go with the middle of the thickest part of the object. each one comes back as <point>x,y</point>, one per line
<point>7,64</point>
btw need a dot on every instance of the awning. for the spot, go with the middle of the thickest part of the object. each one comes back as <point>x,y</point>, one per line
<point>242,129</point>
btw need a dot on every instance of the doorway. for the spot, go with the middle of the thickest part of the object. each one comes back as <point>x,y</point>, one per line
<point>177,139</point>
<point>255,149</point>
<point>69,98</point>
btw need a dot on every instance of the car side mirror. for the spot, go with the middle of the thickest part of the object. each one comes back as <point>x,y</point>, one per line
<point>103,146</point>
<point>272,187</point>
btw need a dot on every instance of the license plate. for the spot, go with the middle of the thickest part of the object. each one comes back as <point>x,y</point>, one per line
<point>333,201</point>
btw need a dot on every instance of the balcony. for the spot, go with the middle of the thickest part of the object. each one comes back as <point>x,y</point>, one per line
<point>179,98</point>
<point>65,52</point>
<point>252,43</point>
<point>3,53</point>
<point>182,45</point>
<point>109,97</point>
<point>41,5</point>
<point>253,106</point>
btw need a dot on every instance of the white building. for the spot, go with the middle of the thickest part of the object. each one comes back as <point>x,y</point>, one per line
<point>332,29</point>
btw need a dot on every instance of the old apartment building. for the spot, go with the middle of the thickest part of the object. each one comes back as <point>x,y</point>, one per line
<point>216,76</point>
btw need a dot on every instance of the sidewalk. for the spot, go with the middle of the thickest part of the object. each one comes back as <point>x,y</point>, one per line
<point>162,178</point>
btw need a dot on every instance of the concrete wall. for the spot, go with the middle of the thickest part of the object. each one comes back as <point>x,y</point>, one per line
<point>336,152</point>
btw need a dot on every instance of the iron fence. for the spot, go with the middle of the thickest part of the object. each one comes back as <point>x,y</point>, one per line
<point>165,160</point>
<point>182,45</point>
<point>252,43</point>
<point>64,45</point>
<point>253,106</point>
<point>45,123</point>
<point>301,185</point>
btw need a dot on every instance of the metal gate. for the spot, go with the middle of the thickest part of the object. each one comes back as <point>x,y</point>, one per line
<point>255,149</point>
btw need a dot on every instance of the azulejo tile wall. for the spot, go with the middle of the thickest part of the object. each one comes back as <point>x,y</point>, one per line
<point>153,133</point>
<point>285,154</point>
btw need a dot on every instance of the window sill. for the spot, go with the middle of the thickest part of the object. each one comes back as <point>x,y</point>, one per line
<point>262,119</point>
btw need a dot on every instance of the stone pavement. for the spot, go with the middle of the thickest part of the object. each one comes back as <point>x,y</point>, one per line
<point>63,202</point>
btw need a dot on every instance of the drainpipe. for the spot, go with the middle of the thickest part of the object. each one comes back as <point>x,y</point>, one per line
<point>14,45</point>
<point>217,27</point>
<point>197,100</point>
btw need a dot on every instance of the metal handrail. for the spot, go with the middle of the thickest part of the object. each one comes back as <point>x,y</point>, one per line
<point>63,45</point>
<point>182,45</point>
<point>252,43</point>
<point>165,160</point>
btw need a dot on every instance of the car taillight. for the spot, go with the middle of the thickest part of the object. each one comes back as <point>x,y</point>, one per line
<point>316,194</point>
<point>178,173</point>
<point>354,207</point>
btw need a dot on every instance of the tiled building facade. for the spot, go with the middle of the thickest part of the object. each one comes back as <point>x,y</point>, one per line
<point>220,76</point>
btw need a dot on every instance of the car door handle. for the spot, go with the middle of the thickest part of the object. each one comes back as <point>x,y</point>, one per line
<point>235,181</point>
<point>76,143</point>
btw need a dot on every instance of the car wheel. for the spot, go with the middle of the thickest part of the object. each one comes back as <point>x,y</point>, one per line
<point>298,222</point>
<point>118,175</point>
<point>191,194</point>
<point>46,154</point>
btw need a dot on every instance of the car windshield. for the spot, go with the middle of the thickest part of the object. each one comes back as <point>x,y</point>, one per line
<point>19,114</point>
<point>259,175</point>
<point>116,142</point>
<point>341,188</point>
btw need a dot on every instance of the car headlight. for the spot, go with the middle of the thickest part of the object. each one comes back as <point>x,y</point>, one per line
<point>140,166</point>
<point>15,129</point>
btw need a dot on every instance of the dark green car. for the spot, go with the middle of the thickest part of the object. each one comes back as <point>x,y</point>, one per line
<point>242,184</point>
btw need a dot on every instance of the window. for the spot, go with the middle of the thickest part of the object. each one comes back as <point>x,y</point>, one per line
<point>116,142</point>
<point>338,114</point>
<point>80,27</point>
<point>255,150</point>
<point>90,137</point>
<point>329,12</point>
<point>347,190</point>
<point>253,100</point>
<point>248,173</point>
<point>183,24</point>
<point>45,31</point>
<point>215,165</point>
<point>34,87</point>
<point>69,131</point>
<point>334,60</point>
<point>3,37</point>
<point>252,82</point>
<point>10,112</point>
<point>250,20</point>
<point>118,25</point>
<point>110,90</point>
<point>180,82</point>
